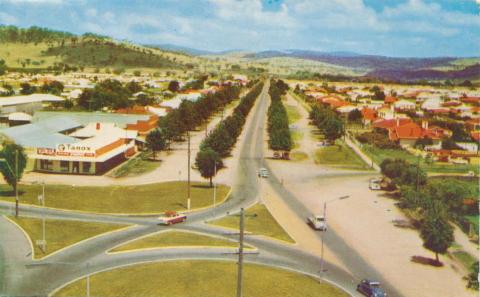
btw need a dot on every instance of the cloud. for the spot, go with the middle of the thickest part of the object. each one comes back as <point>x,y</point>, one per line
<point>7,19</point>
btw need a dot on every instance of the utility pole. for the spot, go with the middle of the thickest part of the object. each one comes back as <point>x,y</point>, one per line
<point>88,279</point>
<point>188,182</point>
<point>240,255</point>
<point>214,186</point>
<point>41,198</point>
<point>16,183</point>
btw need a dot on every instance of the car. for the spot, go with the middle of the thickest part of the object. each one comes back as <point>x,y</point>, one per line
<point>172,217</point>
<point>375,184</point>
<point>263,172</point>
<point>371,288</point>
<point>317,222</point>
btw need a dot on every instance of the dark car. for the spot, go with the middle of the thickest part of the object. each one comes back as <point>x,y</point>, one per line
<point>371,288</point>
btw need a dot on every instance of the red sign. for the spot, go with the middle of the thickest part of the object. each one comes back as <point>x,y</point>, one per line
<point>46,151</point>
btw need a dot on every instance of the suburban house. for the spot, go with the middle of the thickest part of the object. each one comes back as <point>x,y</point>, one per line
<point>406,132</point>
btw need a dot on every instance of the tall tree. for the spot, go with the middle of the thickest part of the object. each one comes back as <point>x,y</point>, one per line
<point>173,86</point>
<point>3,67</point>
<point>156,141</point>
<point>208,163</point>
<point>436,232</point>
<point>14,161</point>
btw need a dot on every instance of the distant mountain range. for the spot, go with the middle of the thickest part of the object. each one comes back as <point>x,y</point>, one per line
<point>189,50</point>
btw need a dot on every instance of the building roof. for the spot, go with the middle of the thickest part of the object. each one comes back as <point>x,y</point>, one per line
<point>33,98</point>
<point>84,118</point>
<point>369,114</point>
<point>44,134</point>
<point>20,116</point>
<point>104,129</point>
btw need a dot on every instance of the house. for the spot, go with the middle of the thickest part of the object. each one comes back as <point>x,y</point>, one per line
<point>386,113</point>
<point>368,116</point>
<point>404,105</point>
<point>406,132</point>
<point>390,99</point>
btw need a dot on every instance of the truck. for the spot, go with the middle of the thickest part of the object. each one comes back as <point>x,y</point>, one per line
<point>317,222</point>
<point>172,217</point>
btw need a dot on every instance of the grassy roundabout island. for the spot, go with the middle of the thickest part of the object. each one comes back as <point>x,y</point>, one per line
<point>259,221</point>
<point>171,238</point>
<point>150,198</point>
<point>60,233</point>
<point>199,278</point>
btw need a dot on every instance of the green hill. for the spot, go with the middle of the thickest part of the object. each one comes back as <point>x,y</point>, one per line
<point>40,48</point>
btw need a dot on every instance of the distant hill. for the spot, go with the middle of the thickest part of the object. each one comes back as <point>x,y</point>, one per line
<point>42,48</point>
<point>189,50</point>
<point>469,72</point>
<point>354,60</point>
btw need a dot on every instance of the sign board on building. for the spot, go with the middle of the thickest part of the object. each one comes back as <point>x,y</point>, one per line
<point>46,151</point>
<point>74,150</point>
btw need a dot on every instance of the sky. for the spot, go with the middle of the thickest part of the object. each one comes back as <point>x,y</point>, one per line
<point>407,28</point>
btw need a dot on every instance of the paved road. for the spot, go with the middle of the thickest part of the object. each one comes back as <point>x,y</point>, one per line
<point>28,277</point>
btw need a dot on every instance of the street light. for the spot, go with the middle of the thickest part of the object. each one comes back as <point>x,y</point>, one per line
<point>41,198</point>
<point>325,219</point>
<point>214,186</point>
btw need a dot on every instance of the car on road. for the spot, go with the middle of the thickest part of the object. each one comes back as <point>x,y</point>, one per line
<point>375,184</point>
<point>317,222</point>
<point>263,172</point>
<point>371,288</point>
<point>172,217</point>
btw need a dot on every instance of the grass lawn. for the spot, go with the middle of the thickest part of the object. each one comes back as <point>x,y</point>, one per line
<point>60,233</point>
<point>292,113</point>
<point>200,278</point>
<point>136,166</point>
<point>261,224</point>
<point>379,155</point>
<point>296,137</point>
<point>298,156</point>
<point>150,198</point>
<point>465,258</point>
<point>474,220</point>
<point>340,155</point>
<point>175,238</point>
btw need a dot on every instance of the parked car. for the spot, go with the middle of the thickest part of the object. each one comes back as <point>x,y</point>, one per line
<point>263,172</point>
<point>371,288</point>
<point>375,184</point>
<point>172,217</point>
<point>317,222</point>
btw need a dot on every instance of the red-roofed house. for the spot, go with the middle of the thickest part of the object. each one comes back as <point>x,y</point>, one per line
<point>475,135</point>
<point>390,99</point>
<point>369,115</point>
<point>407,132</point>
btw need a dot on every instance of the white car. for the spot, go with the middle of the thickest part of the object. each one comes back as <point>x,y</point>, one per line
<point>263,172</point>
<point>375,184</point>
<point>317,222</point>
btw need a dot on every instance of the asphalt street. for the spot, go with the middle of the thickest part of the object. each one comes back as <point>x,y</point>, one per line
<point>25,277</point>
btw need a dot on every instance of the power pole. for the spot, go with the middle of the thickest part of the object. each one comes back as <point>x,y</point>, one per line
<point>16,183</point>
<point>214,186</point>
<point>240,255</point>
<point>88,279</point>
<point>188,182</point>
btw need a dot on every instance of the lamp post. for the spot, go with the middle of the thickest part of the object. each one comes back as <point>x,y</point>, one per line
<point>325,219</point>
<point>41,198</point>
<point>214,186</point>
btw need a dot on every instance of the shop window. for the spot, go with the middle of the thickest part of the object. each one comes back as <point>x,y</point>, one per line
<point>64,166</point>
<point>46,165</point>
<point>86,167</point>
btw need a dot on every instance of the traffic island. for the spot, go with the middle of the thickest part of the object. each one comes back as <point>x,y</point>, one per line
<point>258,221</point>
<point>59,234</point>
<point>199,278</point>
<point>166,239</point>
<point>136,199</point>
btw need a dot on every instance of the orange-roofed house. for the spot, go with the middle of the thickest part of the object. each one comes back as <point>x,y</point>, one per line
<point>406,132</point>
<point>390,99</point>
<point>369,115</point>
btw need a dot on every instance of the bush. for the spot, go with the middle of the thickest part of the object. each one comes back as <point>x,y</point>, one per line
<point>278,130</point>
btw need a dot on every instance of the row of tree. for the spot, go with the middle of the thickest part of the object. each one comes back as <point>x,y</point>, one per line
<point>432,202</point>
<point>219,142</point>
<point>327,121</point>
<point>278,130</point>
<point>190,114</point>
